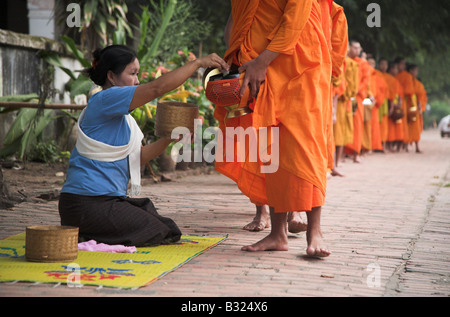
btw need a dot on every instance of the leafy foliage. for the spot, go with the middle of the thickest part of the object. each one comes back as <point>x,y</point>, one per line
<point>102,21</point>
<point>25,130</point>
<point>166,26</point>
<point>215,13</point>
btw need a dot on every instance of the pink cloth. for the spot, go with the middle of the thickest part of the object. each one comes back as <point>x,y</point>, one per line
<point>92,245</point>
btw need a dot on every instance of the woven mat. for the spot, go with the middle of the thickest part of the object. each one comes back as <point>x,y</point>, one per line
<point>123,270</point>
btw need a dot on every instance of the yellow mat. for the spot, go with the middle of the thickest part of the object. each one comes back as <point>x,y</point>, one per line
<point>124,270</point>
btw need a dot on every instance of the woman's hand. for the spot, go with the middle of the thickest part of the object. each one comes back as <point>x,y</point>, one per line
<point>171,80</point>
<point>213,61</point>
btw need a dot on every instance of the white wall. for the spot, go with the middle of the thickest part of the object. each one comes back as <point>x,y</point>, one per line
<point>41,18</point>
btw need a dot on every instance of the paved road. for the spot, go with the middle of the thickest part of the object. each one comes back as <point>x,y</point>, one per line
<point>387,223</point>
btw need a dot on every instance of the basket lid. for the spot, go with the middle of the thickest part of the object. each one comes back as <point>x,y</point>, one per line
<point>51,228</point>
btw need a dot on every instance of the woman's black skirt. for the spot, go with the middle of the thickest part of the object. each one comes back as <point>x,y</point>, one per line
<point>117,220</point>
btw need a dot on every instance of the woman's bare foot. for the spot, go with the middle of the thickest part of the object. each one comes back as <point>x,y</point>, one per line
<point>295,222</point>
<point>261,220</point>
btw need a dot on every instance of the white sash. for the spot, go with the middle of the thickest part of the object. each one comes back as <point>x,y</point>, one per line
<point>100,151</point>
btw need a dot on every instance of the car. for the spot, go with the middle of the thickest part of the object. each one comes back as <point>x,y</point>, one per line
<point>444,126</point>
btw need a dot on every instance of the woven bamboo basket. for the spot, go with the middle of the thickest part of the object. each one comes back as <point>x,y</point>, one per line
<point>173,114</point>
<point>51,243</point>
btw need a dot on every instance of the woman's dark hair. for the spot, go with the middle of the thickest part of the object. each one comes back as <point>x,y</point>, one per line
<point>112,58</point>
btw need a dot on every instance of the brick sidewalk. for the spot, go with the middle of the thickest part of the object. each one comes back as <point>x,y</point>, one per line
<point>386,223</point>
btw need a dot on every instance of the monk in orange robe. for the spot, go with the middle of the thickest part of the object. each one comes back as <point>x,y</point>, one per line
<point>378,88</point>
<point>339,109</point>
<point>358,117</point>
<point>405,80</point>
<point>395,97</point>
<point>281,47</point>
<point>334,25</point>
<point>414,124</point>
<point>349,98</point>
<point>366,143</point>
<point>383,110</point>
<point>338,49</point>
<point>422,100</point>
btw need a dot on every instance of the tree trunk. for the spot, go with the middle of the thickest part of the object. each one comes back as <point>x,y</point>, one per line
<point>5,201</point>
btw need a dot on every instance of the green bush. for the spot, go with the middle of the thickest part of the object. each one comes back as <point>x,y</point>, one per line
<point>45,152</point>
<point>435,112</point>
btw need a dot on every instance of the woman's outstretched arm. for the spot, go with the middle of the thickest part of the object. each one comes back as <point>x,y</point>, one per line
<point>169,81</point>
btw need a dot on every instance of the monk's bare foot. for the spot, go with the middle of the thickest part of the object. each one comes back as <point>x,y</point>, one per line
<point>334,172</point>
<point>256,225</point>
<point>261,220</point>
<point>269,243</point>
<point>295,222</point>
<point>316,247</point>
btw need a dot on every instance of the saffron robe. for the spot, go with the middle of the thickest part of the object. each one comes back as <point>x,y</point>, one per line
<point>339,87</point>
<point>367,126</point>
<point>415,127</point>
<point>379,89</point>
<point>338,44</point>
<point>409,99</point>
<point>422,100</point>
<point>395,92</point>
<point>352,80</point>
<point>293,98</point>
<point>358,117</point>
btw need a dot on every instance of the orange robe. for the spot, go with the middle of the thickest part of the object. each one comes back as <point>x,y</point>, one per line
<point>414,126</point>
<point>422,100</point>
<point>384,121</point>
<point>293,99</point>
<point>383,110</point>
<point>352,80</point>
<point>379,89</point>
<point>406,81</point>
<point>358,117</point>
<point>339,87</point>
<point>395,128</point>
<point>367,125</point>
<point>338,45</point>
<point>325,10</point>
<point>339,39</point>
<point>334,25</point>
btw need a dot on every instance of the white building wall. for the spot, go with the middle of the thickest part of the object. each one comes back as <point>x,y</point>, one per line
<point>41,18</point>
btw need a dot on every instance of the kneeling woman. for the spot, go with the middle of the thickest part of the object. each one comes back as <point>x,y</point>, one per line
<point>109,153</point>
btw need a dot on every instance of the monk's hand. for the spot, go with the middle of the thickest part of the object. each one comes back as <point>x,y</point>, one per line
<point>213,61</point>
<point>255,71</point>
<point>255,74</point>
